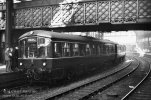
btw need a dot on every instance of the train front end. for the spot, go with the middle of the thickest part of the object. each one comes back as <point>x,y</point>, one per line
<point>34,57</point>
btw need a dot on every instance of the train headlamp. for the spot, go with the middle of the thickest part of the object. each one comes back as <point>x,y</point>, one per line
<point>44,64</point>
<point>20,63</point>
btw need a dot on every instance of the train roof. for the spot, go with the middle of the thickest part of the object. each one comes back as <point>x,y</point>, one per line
<point>57,35</point>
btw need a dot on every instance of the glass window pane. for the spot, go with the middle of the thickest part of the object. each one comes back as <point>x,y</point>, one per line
<point>88,50</point>
<point>66,49</point>
<point>82,49</point>
<point>75,49</point>
<point>57,49</point>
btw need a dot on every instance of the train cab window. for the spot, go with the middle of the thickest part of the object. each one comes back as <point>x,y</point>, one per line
<point>31,47</point>
<point>43,47</point>
<point>22,49</point>
<point>66,49</point>
<point>41,51</point>
<point>57,49</point>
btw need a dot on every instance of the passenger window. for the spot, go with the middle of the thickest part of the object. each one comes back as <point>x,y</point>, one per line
<point>101,49</point>
<point>93,50</point>
<point>75,49</point>
<point>57,49</point>
<point>88,50</point>
<point>66,49</point>
<point>98,50</point>
<point>113,49</point>
<point>110,49</point>
<point>82,49</point>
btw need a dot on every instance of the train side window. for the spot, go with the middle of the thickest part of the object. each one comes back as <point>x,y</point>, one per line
<point>107,49</point>
<point>104,49</point>
<point>75,49</point>
<point>101,48</point>
<point>113,49</point>
<point>93,49</point>
<point>98,50</point>
<point>57,49</point>
<point>118,48</point>
<point>88,50</point>
<point>110,49</point>
<point>66,49</point>
<point>82,49</point>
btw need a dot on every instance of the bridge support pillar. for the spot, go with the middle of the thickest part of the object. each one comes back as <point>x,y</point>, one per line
<point>9,21</point>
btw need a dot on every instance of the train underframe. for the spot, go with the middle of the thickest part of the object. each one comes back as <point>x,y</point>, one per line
<point>67,68</point>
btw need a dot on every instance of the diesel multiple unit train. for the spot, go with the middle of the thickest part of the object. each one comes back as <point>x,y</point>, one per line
<point>46,55</point>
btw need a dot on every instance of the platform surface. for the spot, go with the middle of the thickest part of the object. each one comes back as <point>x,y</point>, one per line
<point>2,68</point>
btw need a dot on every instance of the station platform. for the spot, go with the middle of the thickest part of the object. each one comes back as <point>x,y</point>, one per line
<point>9,79</point>
<point>3,69</point>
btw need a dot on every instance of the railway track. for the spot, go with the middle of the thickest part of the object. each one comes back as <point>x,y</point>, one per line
<point>8,80</point>
<point>87,88</point>
<point>142,91</point>
<point>124,89</point>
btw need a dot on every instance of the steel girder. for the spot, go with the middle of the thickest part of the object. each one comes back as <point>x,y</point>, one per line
<point>84,13</point>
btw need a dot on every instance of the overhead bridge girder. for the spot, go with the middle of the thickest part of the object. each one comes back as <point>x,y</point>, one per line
<point>84,13</point>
